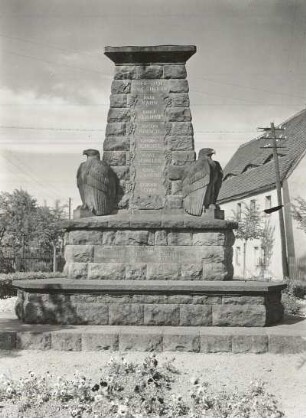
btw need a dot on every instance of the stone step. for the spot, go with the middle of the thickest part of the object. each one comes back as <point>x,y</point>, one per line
<point>286,338</point>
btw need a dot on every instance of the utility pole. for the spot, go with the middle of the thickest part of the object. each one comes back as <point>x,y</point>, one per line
<point>278,184</point>
<point>69,207</point>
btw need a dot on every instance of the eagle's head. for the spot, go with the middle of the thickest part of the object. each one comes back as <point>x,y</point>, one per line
<point>92,153</point>
<point>206,152</point>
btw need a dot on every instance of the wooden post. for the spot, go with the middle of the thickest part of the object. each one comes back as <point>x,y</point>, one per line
<point>279,203</point>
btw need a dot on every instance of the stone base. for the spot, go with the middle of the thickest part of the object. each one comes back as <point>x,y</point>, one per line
<point>162,303</point>
<point>149,246</point>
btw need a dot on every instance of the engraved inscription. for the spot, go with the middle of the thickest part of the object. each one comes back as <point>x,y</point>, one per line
<point>149,86</point>
<point>156,254</point>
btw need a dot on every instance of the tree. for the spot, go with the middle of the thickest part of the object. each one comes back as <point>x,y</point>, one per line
<point>267,242</point>
<point>25,224</point>
<point>299,212</point>
<point>249,227</point>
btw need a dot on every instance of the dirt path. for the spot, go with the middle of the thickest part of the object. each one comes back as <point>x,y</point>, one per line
<point>284,379</point>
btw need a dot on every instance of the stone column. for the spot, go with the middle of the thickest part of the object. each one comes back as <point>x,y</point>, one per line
<point>149,134</point>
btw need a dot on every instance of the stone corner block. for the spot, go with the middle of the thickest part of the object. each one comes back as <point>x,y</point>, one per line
<point>66,341</point>
<point>141,341</point>
<point>182,341</point>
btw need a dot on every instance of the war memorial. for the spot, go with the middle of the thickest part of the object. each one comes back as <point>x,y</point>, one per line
<point>149,246</point>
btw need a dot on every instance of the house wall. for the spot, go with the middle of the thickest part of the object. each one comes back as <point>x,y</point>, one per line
<point>253,249</point>
<point>297,188</point>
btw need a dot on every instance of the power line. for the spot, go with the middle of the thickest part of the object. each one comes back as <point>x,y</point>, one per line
<point>56,63</point>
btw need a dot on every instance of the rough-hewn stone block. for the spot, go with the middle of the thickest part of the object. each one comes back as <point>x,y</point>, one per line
<point>273,298</point>
<point>215,343</point>
<point>118,115</point>
<point>191,271</point>
<point>206,300</point>
<point>239,316</point>
<point>126,314</point>
<point>7,340</point>
<point>180,238</point>
<point>123,173</point>
<point>180,143</point>
<point>208,238</point>
<point>196,315</point>
<point>33,341</point>
<point>79,253</point>
<point>113,143</point>
<point>178,114</point>
<point>125,72</point>
<point>189,341</point>
<point>115,129</point>
<point>215,270</point>
<point>275,312</point>
<point>176,187</point>
<point>108,237</point>
<point>181,129</point>
<point>149,71</point>
<point>78,271</point>
<point>179,99</point>
<point>175,172</point>
<point>281,344</point>
<point>178,86</point>
<point>121,87</point>
<point>243,300</point>
<point>66,341</point>
<point>136,271</point>
<point>161,237</point>
<point>250,344</point>
<point>175,71</point>
<point>85,237</point>
<point>179,299</point>
<point>161,314</point>
<point>93,313</point>
<point>174,202</point>
<point>144,340</point>
<point>115,157</point>
<point>182,157</point>
<point>106,271</point>
<point>134,238</point>
<point>118,100</point>
<point>100,341</point>
<point>169,271</point>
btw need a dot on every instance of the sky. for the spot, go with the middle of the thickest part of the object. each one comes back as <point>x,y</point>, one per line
<point>249,70</point>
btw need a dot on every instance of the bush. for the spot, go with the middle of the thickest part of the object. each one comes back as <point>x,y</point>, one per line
<point>298,288</point>
<point>131,390</point>
<point>6,288</point>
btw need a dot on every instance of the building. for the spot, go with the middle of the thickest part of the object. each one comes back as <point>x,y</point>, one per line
<point>249,180</point>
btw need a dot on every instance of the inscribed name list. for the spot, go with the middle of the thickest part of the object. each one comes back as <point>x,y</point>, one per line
<point>149,136</point>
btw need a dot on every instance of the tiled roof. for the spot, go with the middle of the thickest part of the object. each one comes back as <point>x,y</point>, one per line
<point>248,171</point>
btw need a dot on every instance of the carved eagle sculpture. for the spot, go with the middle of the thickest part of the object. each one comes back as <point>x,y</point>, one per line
<point>201,183</point>
<point>97,184</point>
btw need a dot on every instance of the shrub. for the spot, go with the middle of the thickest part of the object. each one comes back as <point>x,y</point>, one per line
<point>298,288</point>
<point>6,288</point>
<point>130,390</point>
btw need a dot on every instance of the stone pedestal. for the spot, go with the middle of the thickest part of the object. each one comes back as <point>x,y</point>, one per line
<point>149,263</point>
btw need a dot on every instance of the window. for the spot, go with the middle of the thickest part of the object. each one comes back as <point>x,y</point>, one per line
<point>238,211</point>
<point>268,202</point>
<point>238,256</point>
<point>253,204</point>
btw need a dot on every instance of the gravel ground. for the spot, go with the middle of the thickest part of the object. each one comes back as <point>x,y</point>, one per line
<point>285,377</point>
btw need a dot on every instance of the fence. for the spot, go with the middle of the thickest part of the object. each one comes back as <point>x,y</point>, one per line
<point>31,261</point>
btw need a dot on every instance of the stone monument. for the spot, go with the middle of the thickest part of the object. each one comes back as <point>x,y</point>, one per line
<point>149,262</point>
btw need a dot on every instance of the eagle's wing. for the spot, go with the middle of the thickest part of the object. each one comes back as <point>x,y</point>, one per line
<point>217,181</point>
<point>195,182</point>
<point>80,181</point>
<point>100,187</point>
